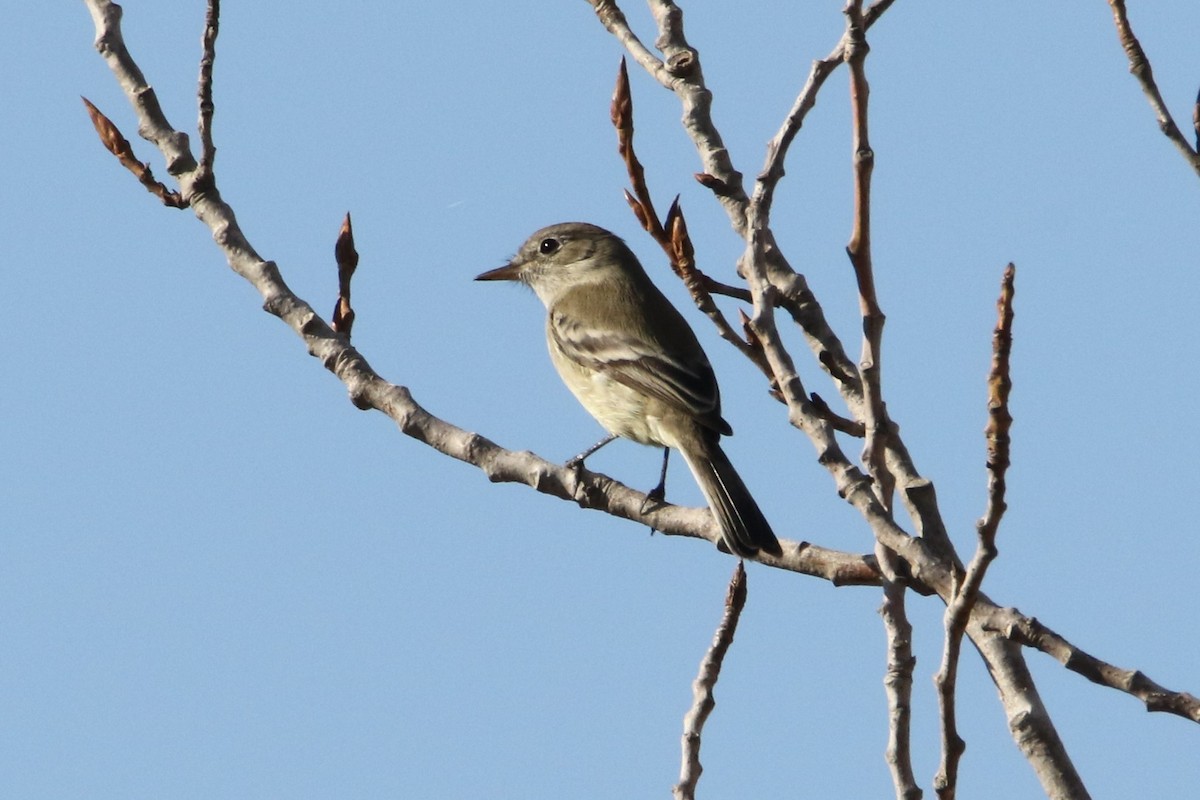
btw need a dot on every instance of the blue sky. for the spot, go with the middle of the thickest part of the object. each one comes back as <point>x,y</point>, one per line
<point>219,579</point>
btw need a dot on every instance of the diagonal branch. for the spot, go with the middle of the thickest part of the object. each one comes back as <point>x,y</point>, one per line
<point>777,149</point>
<point>1028,631</point>
<point>1139,65</point>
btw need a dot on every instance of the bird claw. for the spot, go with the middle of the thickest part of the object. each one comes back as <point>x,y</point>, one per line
<point>654,498</point>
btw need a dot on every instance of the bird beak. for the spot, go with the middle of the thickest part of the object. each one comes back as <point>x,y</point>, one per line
<point>509,272</point>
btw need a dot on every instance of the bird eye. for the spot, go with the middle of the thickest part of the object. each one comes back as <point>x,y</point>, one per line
<point>548,246</point>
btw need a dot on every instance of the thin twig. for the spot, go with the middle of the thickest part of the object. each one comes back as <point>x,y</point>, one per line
<point>900,663</point>
<point>1139,65</point>
<point>614,20</point>
<point>859,251</point>
<point>958,611</point>
<point>118,145</point>
<point>208,150</point>
<point>841,424</point>
<point>778,147</point>
<point>706,680</point>
<point>621,114</point>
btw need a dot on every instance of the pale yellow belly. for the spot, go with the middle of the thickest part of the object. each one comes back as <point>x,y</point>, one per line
<point>620,409</point>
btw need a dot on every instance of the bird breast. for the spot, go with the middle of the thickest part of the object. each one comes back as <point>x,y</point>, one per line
<point>622,410</point>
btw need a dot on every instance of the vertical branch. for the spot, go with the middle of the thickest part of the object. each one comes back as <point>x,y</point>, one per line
<point>900,663</point>
<point>897,682</point>
<point>859,251</point>
<point>1139,65</point>
<point>208,151</point>
<point>702,688</point>
<point>966,593</point>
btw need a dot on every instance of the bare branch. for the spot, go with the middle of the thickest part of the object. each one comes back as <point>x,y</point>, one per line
<point>840,424</point>
<point>152,123</point>
<point>367,390</point>
<point>1030,632</point>
<point>614,20</point>
<point>900,662</point>
<point>777,148</point>
<point>852,485</point>
<point>208,151</point>
<point>681,73</point>
<point>1139,65</point>
<point>1029,722</point>
<point>859,250</point>
<point>702,688</point>
<point>967,592</point>
<point>792,292</point>
<point>897,682</point>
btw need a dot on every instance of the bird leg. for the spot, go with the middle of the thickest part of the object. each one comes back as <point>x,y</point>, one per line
<point>659,492</point>
<point>577,461</point>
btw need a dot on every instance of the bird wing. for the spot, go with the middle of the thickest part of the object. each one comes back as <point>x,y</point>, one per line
<point>688,385</point>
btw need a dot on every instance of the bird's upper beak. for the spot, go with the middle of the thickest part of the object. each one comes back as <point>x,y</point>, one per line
<point>509,272</point>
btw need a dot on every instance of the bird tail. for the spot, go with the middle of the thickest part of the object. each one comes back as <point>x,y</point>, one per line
<point>743,527</point>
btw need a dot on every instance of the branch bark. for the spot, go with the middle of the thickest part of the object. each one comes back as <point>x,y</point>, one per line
<point>1139,65</point>
<point>703,701</point>
<point>967,592</point>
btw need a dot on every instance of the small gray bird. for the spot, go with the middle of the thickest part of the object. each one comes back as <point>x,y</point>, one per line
<point>634,363</point>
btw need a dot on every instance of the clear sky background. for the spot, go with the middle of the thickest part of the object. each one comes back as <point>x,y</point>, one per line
<point>219,579</point>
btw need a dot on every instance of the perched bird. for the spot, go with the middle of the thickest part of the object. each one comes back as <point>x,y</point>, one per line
<point>634,363</point>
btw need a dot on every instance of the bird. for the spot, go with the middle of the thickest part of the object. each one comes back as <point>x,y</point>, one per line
<point>635,364</point>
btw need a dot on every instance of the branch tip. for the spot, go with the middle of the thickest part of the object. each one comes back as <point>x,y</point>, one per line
<point>705,682</point>
<point>119,146</point>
